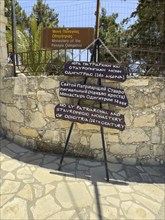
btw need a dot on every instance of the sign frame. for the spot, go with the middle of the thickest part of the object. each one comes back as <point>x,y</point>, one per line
<point>94,57</point>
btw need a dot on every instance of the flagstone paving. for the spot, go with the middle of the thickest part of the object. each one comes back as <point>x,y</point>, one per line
<point>33,188</point>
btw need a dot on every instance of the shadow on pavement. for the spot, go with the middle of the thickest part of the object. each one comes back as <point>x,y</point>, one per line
<point>90,170</point>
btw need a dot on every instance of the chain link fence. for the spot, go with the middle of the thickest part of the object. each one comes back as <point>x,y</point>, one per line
<point>143,57</point>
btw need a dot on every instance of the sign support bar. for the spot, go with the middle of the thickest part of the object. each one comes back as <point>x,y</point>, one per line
<point>69,134</point>
<point>66,144</point>
<point>101,128</point>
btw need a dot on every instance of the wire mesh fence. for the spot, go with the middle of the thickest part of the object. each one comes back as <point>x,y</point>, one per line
<point>81,13</point>
<point>144,53</point>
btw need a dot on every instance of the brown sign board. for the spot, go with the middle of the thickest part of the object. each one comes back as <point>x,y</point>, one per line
<point>67,38</point>
<point>97,70</point>
<point>91,92</point>
<point>96,116</point>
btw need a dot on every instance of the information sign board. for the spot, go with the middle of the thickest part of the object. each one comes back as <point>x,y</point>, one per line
<point>96,116</point>
<point>67,38</point>
<point>91,92</point>
<point>97,70</point>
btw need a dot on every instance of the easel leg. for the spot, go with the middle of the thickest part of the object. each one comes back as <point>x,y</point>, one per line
<point>105,155</point>
<point>66,144</point>
<point>69,134</point>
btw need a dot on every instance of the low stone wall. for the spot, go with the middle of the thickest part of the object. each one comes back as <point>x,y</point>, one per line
<point>27,117</point>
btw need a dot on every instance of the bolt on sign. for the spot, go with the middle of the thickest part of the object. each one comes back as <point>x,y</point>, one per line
<point>67,38</point>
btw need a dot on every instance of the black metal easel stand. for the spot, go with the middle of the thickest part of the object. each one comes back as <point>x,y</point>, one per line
<point>93,58</point>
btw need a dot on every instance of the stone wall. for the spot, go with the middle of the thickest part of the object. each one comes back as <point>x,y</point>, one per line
<point>27,117</point>
<point>3,48</point>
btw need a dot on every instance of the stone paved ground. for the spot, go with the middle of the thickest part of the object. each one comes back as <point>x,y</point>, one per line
<point>33,188</point>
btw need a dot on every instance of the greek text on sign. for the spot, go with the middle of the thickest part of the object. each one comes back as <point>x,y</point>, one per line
<point>67,38</point>
<point>96,116</point>
<point>97,70</point>
<point>90,92</point>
